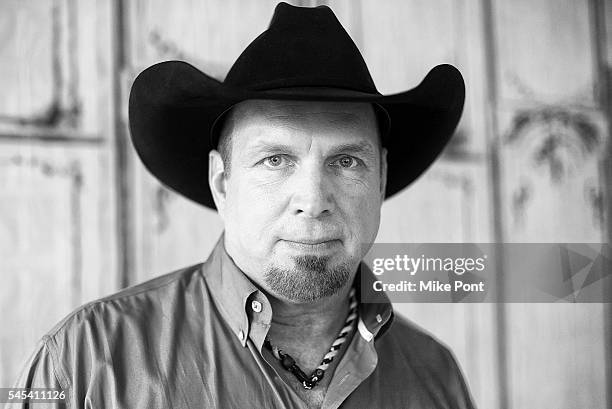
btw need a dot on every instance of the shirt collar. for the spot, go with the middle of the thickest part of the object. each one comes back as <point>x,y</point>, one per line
<point>249,313</point>
<point>232,291</point>
<point>375,309</point>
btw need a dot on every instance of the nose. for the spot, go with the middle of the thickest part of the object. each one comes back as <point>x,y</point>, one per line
<point>312,192</point>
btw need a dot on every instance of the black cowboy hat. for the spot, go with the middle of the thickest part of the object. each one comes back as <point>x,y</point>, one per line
<point>305,54</point>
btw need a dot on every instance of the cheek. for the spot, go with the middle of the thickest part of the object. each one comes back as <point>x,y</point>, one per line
<point>250,211</point>
<point>362,216</point>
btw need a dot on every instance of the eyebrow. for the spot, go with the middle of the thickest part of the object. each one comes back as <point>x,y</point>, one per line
<point>364,148</point>
<point>264,146</point>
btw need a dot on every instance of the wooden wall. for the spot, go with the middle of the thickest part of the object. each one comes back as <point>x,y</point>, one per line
<point>57,200</point>
<point>551,143</point>
<point>529,163</point>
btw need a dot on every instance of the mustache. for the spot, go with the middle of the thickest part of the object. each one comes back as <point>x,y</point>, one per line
<point>313,234</point>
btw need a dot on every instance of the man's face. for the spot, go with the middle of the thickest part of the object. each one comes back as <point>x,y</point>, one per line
<point>303,195</point>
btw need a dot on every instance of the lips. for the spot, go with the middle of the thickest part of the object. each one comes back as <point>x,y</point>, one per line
<point>312,241</point>
<point>309,245</point>
<point>311,234</point>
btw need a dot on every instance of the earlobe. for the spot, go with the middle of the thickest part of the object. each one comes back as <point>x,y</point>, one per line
<point>217,180</point>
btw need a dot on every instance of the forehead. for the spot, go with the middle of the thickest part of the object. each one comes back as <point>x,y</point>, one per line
<point>280,119</point>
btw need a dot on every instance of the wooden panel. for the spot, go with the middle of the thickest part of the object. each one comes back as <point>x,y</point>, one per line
<point>57,222</point>
<point>92,72</point>
<point>545,51</point>
<point>55,242</point>
<point>402,41</point>
<point>551,191</point>
<point>556,355</point>
<point>209,34</point>
<point>445,205</point>
<point>58,77</point>
<point>448,204</point>
<point>27,76</point>
<point>173,232</point>
<point>467,329</point>
<point>604,33</point>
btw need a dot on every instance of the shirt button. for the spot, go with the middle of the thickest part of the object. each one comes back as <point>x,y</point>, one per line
<point>378,318</point>
<point>241,335</point>
<point>256,306</point>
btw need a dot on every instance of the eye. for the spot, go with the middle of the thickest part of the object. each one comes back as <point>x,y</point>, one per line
<point>275,161</point>
<point>346,162</point>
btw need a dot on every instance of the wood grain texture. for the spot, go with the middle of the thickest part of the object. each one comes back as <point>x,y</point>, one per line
<point>551,141</point>
<point>602,11</point>
<point>57,221</point>
<point>546,51</point>
<point>402,41</point>
<point>28,30</point>
<point>556,355</point>
<point>58,231</point>
<point>54,240</point>
<point>448,204</point>
<point>209,34</point>
<point>173,232</point>
<point>552,189</point>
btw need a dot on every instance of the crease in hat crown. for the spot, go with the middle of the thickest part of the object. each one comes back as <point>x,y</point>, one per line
<point>302,47</point>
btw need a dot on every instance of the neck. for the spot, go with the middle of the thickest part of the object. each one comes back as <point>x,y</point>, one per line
<point>308,325</point>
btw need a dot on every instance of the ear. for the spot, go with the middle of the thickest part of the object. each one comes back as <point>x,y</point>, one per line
<point>217,180</point>
<point>383,173</point>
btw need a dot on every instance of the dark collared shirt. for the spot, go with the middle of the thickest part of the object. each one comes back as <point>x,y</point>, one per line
<point>192,339</point>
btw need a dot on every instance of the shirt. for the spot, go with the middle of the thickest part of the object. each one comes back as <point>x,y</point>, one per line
<point>192,339</point>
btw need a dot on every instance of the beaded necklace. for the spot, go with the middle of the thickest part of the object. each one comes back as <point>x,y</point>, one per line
<point>308,382</point>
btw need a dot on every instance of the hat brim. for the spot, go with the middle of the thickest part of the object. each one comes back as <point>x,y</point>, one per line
<point>173,106</point>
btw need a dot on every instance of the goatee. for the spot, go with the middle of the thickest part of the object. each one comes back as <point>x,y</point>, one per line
<point>309,280</point>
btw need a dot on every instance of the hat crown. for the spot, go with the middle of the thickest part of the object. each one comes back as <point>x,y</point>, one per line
<point>303,47</point>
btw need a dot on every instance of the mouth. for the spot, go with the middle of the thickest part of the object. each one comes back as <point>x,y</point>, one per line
<point>313,244</point>
<point>311,241</point>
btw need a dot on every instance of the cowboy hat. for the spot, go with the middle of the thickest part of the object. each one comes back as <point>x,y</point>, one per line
<point>305,54</point>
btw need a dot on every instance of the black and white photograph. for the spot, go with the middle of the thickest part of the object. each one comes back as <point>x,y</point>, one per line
<point>318,204</point>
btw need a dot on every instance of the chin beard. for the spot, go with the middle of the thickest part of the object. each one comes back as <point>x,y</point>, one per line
<point>309,280</point>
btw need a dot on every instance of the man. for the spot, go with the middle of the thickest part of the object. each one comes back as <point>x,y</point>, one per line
<point>302,151</point>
